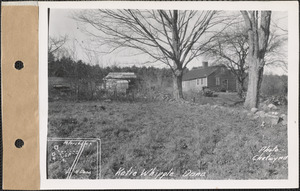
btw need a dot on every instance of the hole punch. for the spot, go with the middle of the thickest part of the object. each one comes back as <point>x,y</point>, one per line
<point>19,65</point>
<point>19,143</point>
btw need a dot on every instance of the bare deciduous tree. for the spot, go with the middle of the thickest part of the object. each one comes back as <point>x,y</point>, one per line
<point>55,47</point>
<point>258,29</point>
<point>55,43</point>
<point>172,37</point>
<point>276,55</point>
<point>230,48</point>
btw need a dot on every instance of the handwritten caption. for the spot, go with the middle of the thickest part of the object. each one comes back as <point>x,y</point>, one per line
<point>156,173</point>
<point>270,154</point>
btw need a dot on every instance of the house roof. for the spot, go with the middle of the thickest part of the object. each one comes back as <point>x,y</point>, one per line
<point>199,73</point>
<point>120,75</point>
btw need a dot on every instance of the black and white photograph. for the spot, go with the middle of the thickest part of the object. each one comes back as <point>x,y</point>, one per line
<point>167,94</point>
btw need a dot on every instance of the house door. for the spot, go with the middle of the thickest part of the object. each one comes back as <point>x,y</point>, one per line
<point>225,85</point>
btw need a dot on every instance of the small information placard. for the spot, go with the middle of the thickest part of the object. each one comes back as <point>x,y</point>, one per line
<point>73,158</point>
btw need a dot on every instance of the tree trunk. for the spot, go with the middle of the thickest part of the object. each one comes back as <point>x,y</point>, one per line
<point>255,79</point>
<point>258,35</point>
<point>241,87</point>
<point>177,86</point>
<point>177,65</point>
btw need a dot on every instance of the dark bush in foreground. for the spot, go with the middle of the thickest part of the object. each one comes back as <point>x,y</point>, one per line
<point>274,85</point>
<point>208,93</point>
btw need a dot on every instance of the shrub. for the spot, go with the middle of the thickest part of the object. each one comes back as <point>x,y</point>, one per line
<point>207,92</point>
<point>278,100</point>
<point>274,85</point>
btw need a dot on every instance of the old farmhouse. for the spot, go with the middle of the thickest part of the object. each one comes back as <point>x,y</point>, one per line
<point>217,78</point>
<point>119,81</point>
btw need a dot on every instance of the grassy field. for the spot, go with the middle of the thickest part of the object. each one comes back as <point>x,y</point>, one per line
<point>192,141</point>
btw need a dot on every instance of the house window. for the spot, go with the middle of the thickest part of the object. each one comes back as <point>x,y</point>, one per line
<point>197,82</point>
<point>201,81</point>
<point>217,81</point>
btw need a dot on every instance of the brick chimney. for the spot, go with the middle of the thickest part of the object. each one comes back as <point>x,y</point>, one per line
<point>204,64</point>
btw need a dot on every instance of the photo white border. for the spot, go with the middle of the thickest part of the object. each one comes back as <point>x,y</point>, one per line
<point>293,89</point>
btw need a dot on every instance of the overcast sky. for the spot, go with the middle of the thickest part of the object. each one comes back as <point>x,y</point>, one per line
<point>62,23</point>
